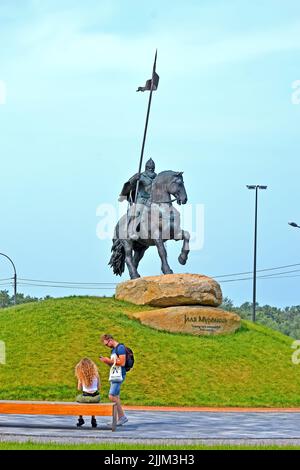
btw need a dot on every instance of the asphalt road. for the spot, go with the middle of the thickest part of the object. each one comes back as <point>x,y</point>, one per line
<point>157,426</point>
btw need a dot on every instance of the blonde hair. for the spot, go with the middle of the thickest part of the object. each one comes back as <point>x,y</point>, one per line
<point>86,371</point>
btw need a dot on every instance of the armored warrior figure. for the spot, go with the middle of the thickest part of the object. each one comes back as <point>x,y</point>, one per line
<point>128,192</point>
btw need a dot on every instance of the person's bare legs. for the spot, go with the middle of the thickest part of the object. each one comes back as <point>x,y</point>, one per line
<point>116,399</point>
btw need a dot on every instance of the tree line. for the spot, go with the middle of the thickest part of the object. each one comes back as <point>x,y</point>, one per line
<point>7,300</point>
<point>286,320</point>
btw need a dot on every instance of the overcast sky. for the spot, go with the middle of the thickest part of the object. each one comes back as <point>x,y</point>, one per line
<point>71,128</point>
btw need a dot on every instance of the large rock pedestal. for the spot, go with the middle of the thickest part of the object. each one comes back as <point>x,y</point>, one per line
<point>170,290</point>
<point>190,304</point>
<point>192,319</point>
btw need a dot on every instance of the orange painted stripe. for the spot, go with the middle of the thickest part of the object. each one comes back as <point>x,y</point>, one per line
<point>211,409</point>
<point>56,408</point>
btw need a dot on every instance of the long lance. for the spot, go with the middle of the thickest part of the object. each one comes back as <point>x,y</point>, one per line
<point>150,85</point>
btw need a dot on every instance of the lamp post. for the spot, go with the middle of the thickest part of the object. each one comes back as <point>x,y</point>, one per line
<point>256,187</point>
<point>15,276</point>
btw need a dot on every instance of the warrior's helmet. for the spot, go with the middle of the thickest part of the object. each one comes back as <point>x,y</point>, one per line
<point>150,165</point>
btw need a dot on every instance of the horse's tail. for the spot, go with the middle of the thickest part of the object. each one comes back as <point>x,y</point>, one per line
<point>117,260</point>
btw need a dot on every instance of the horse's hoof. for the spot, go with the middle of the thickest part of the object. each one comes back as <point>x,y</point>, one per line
<point>135,277</point>
<point>169,272</point>
<point>181,260</point>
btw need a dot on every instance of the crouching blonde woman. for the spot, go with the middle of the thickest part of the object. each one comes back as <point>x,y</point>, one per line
<point>89,383</point>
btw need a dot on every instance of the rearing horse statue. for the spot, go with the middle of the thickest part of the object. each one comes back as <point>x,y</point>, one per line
<point>155,224</point>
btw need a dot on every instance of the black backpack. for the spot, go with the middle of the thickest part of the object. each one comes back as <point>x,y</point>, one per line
<point>129,357</point>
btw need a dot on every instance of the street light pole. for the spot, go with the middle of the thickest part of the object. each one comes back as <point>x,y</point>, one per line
<point>256,187</point>
<point>15,276</point>
<point>255,255</point>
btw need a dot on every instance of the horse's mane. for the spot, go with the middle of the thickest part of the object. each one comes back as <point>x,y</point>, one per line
<point>164,175</point>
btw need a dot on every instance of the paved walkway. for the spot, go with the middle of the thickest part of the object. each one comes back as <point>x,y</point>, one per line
<point>155,426</point>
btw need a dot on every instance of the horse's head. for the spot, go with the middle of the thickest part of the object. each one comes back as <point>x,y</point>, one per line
<point>166,184</point>
<point>176,187</point>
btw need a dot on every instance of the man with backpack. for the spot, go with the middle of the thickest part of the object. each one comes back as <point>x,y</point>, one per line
<point>119,354</point>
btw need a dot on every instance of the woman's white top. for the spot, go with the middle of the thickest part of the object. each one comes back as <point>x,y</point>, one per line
<point>92,388</point>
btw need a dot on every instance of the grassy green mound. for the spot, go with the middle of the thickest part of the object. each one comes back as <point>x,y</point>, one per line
<point>120,446</point>
<point>45,340</point>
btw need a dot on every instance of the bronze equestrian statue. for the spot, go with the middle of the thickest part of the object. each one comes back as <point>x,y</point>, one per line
<point>151,220</point>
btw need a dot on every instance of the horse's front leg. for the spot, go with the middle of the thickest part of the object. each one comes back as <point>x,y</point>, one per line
<point>133,273</point>
<point>163,256</point>
<point>182,258</point>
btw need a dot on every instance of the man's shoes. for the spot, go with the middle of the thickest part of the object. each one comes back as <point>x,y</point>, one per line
<point>80,422</point>
<point>93,422</point>
<point>122,421</point>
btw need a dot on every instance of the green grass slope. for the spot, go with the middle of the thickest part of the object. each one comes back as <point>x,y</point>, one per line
<point>45,340</point>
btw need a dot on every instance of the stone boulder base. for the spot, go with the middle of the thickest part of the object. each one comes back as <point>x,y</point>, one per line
<point>195,320</point>
<point>171,290</point>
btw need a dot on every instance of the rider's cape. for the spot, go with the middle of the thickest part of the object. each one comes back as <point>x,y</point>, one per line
<point>129,188</point>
